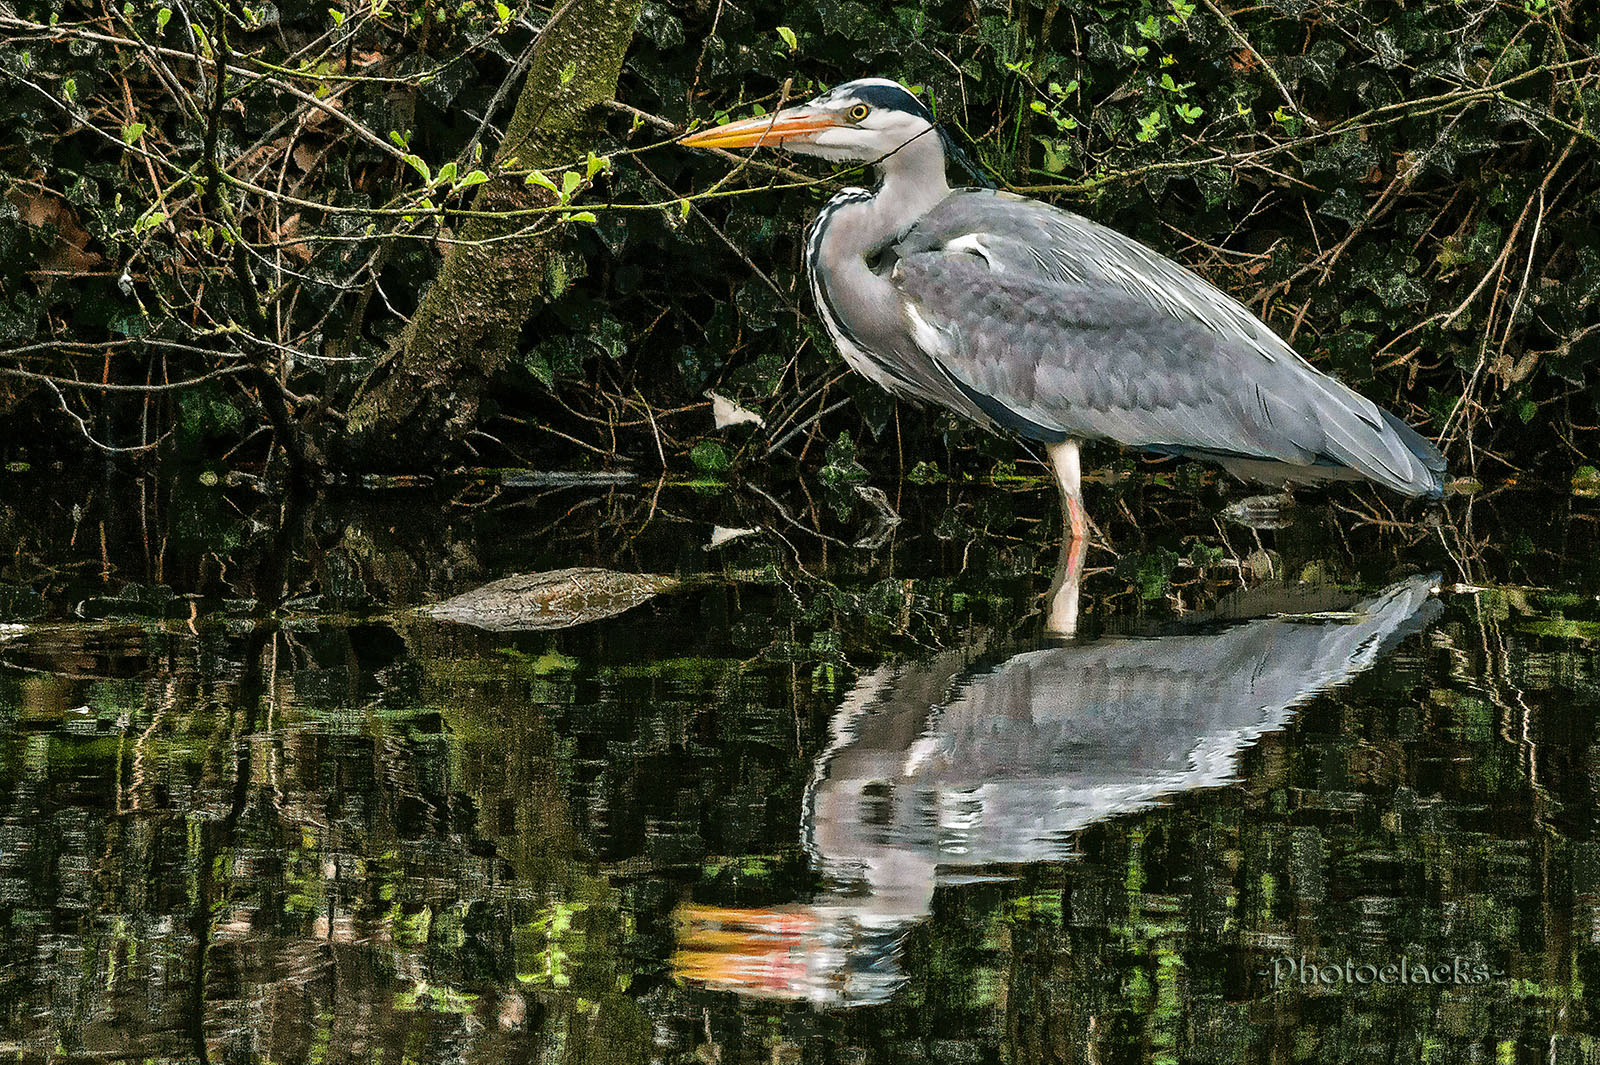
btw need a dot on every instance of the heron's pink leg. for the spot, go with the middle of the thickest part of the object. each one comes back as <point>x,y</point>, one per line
<point>1062,618</point>
<point>1077,519</point>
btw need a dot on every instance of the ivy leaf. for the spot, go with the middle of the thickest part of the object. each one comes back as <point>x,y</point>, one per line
<point>709,456</point>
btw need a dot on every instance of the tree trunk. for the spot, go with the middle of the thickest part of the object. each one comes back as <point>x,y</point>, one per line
<point>422,399</point>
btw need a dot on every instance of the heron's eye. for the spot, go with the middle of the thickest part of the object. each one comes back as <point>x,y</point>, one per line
<point>858,112</point>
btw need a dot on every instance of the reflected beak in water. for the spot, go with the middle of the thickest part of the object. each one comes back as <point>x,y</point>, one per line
<point>753,951</point>
<point>769,131</point>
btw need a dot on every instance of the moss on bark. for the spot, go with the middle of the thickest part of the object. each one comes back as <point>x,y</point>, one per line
<point>422,400</point>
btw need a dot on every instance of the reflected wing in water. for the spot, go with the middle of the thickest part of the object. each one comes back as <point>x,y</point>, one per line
<point>937,767</point>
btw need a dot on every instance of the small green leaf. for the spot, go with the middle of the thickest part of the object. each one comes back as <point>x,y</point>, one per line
<point>132,132</point>
<point>502,12</point>
<point>163,17</point>
<point>709,456</point>
<point>569,183</point>
<point>69,88</point>
<point>594,166</point>
<point>337,16</point>
<point>536,178</point>
<point>401,141</point>
<point>789,38</point>
<point>583,216</point>
<point>446,174</point>
<point>475,177</point>
<point>569,72</point>
<point>420,167</point>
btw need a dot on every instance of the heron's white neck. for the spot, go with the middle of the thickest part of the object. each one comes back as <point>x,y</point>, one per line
<point>912,181</point>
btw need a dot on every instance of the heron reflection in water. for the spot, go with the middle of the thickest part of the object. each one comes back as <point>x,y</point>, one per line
<point>935,770</point>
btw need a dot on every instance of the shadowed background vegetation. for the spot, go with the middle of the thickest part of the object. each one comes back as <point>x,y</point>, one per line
<point>1407,190</point>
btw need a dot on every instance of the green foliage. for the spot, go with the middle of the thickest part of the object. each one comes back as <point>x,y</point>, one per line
<point>841,467</point>
<point>710,457</point>
<point>204,414</point>
<point>1406,189</point>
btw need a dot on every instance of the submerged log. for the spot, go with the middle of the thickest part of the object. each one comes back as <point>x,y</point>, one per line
<point>558,599</point>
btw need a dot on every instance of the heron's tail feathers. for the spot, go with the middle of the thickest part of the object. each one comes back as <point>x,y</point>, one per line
<point>1430,465</point>
<point>1375,443</point>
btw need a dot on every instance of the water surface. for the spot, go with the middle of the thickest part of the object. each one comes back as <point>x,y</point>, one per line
<point>834,798</point>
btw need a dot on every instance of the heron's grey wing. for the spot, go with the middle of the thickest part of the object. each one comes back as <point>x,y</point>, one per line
<point>1057,326</point>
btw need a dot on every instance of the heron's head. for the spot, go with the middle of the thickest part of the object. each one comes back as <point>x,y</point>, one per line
<point>858,122</point>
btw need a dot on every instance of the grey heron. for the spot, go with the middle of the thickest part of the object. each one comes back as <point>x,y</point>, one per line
<point>1026,318</point>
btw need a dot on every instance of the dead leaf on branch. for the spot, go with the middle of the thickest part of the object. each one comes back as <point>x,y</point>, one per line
<point>69,254</point>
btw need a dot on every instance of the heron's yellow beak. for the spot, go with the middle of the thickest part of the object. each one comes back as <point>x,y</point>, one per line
<point>770,131</point>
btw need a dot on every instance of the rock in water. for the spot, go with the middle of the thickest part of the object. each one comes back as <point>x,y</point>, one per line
<point>558,599</point>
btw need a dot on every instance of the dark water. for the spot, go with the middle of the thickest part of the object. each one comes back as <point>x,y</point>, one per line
<point>832,799</point>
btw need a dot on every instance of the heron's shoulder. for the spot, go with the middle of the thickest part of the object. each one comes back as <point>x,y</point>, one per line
<point>1012,233</point>
<point>1027,238</point>
<point>978,211</point>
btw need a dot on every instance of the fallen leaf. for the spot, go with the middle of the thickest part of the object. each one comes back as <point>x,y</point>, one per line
<point>725,412</point>
<point>721,535</point>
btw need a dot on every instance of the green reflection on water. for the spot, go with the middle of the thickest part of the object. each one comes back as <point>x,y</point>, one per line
<point>254,810</point>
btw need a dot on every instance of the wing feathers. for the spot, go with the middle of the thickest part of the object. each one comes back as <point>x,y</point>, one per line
<point>1054,326</point>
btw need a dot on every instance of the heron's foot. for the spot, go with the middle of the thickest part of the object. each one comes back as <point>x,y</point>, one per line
<point>1262,512</point>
